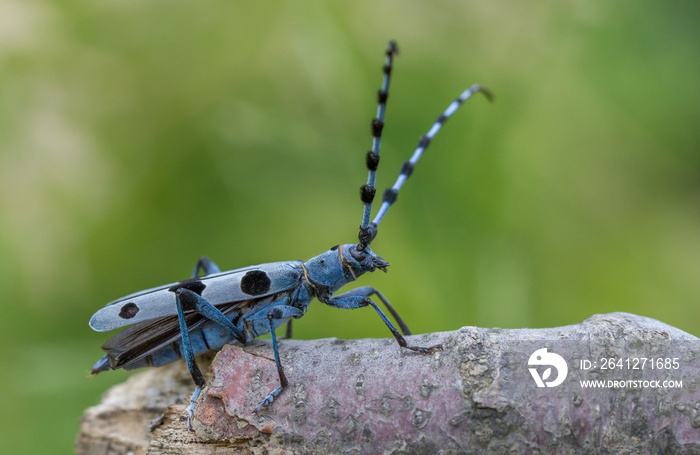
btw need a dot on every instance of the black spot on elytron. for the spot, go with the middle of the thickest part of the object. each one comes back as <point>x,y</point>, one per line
<point>128,311</point>
<point>334,248</point>
<point>194,284</point>
<point>255,282</point>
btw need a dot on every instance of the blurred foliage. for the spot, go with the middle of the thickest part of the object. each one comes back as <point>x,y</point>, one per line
<point>136,136</point>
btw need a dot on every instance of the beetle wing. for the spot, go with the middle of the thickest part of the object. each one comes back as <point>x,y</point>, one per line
<point>218,289</point>
<point>143,339</point>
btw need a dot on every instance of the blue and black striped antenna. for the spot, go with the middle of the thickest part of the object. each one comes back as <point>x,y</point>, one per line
<point>368,231</point>
<point>368,190</point>
<point>390,194</point>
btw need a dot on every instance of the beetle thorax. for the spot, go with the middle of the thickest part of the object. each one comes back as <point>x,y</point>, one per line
<point>340,265</point>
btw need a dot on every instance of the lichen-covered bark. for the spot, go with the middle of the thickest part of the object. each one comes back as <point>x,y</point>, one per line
<point>368,396</point>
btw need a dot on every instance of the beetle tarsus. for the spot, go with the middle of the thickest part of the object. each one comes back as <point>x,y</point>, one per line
<point>264,404</point>
<point>425,351</point>
<point>190,410</point>
<point>276,313</point>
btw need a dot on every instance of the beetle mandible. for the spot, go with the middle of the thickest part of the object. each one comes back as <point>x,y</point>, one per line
<point>184,319</point>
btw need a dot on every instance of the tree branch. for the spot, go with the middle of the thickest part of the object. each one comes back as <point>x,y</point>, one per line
<point>369,396</point>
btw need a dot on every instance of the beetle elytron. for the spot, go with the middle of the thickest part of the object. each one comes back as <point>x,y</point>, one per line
<point>185,319</point>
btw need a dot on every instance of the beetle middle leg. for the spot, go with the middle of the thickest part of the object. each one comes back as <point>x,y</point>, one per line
<point>276,313</point>
<point>288,330</point>
<point>359,298</point>
<point>207,266</point>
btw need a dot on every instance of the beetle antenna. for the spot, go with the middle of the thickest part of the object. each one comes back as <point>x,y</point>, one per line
<point>368,190</point>
<point>390,194</point>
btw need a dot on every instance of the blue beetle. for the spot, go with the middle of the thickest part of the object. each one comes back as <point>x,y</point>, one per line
<point>205,312</point>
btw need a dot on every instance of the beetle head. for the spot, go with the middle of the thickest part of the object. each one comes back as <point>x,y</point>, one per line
<point>362,259</point>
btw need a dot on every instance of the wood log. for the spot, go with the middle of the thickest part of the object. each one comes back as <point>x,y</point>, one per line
<point>369,396</point>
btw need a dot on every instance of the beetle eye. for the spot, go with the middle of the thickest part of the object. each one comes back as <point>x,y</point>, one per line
<point>358,255</point>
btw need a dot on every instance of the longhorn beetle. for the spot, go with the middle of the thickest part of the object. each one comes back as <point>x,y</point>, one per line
<point>185,319</point>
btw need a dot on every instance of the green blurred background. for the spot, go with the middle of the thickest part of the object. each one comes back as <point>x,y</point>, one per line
<point>136,136</point>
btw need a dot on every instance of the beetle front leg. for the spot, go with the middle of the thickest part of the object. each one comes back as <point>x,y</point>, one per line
<point>351,300</point>
<point>368,291</point>
<point>278,312</point>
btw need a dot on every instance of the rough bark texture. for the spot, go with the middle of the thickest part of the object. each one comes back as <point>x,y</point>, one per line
<point>368,396</point>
